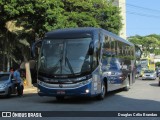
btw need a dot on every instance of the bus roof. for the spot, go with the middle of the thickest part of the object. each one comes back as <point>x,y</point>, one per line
<point>71,32</point>
<point>117,37</point>
<point>82,32</point>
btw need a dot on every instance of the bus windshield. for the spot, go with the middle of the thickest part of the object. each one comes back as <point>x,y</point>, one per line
<point>144,61</point>
<point>144,64</point>
<point>65,56</point>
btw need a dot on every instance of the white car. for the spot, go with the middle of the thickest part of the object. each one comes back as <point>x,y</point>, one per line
<point>149,74</point>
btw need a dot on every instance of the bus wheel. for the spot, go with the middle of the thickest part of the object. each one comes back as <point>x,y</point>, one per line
<point>103,92</point>
<point>127,87</point>
<point>159,83</point>
<point>60,98</point>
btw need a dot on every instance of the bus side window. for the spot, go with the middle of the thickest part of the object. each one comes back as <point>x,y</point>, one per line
<point>96,55</point>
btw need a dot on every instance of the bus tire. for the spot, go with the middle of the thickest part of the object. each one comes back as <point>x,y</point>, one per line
<point>101,96</point>
<point>159,83</point>
<point>127,87</point>
<point>60,98</point>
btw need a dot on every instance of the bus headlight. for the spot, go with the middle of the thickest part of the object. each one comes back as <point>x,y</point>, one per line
<point>87,90</point>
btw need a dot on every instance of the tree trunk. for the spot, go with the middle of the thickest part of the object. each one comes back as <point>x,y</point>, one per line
<point>8,63</point>
<point>28,74</point>
<point>4,59</point>
<point>4,55</point>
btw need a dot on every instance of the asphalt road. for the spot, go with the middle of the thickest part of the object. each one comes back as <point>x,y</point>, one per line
<point>143,96</point>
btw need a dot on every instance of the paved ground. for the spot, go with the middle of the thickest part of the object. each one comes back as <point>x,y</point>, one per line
<point>143,96</point>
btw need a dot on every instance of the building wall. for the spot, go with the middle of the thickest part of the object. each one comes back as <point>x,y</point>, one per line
<point>122,5</point>
<point>157,58</point>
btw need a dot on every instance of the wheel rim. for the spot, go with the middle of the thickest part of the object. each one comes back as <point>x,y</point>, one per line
<point>103,90</point>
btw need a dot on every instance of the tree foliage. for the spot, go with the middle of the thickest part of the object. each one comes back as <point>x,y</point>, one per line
<point>158,64</point>
<point>149,43</point>
<point>33,18</point>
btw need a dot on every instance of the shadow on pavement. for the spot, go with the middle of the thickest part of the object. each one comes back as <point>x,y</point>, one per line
<point>16,96</point>
<point>80,100</point>
<point>112,102</point>
<point>154,84</point>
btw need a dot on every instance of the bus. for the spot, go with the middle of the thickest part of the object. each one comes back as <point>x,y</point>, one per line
<point>84,62</point>
<point>147,63</point>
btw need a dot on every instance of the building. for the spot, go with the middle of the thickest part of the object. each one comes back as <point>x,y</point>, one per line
<point>157,58</point>
<point>122,5</point>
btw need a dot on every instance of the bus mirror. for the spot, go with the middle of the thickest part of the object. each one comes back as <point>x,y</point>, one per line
<point>138,52</point>
<point>35,45</point>
<point>91,48</point>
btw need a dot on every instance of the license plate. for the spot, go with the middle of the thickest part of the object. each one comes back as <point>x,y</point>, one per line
<point>61,92</point>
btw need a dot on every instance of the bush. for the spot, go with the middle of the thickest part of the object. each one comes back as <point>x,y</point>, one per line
<point>158,64</point>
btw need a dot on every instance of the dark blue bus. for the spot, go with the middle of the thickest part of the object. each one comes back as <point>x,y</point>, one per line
<point>84,62</point>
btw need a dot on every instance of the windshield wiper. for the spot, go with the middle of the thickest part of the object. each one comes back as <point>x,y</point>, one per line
<point>69,65</point>
<point>54,68</point>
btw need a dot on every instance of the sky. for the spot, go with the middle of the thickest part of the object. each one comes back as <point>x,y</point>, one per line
<point>142,17</point>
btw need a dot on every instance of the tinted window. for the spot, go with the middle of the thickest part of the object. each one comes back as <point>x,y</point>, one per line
<point>4,77</point>
<point>148,71</point>
<point>65,56</point>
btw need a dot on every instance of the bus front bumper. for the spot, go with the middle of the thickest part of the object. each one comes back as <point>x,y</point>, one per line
<point>81,90</point>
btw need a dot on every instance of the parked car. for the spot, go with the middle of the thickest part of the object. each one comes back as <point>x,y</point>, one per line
<point>7,84</point>
<point>149,74</point>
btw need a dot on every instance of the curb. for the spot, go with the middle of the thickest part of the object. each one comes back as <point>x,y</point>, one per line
<point>30,90</point>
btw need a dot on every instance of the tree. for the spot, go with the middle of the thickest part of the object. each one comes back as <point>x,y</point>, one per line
<point>149,43</point>
<point>136,39</point>
<point>9,12</point>
<point>158,64</point>
<point>31,19</point>
<point>36,17</point>
<point>93,13</point>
